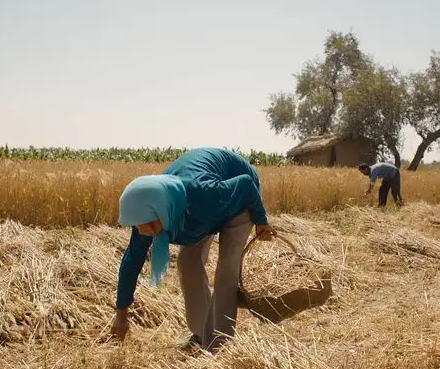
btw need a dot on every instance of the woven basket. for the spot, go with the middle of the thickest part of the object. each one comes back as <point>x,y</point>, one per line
<point>276,309</point>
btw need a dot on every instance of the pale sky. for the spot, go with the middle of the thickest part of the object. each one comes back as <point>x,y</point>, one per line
<point>132,73</point>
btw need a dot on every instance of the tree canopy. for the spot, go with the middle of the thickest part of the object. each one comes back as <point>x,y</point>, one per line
<point>347,93</point>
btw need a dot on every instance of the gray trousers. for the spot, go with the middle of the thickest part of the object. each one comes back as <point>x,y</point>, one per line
<point>212,318</point>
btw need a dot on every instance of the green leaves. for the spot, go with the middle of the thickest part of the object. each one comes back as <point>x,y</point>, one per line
<point>154,155</point>
<point>345,92</point>
<point>281,112</point>
<point>374,107</point>
<point>424,112</point>
<point>314,108</point>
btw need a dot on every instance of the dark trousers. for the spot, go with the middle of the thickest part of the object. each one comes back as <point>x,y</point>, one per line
<point>394,185</point>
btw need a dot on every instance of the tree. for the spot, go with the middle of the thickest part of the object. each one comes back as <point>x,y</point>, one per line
<point>375,108</point>
<point>281,113</point>
<point>313,109</point>
<point>424,107</point>
<point>345,93</point>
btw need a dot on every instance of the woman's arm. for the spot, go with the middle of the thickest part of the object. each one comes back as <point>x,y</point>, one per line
<point>131,265</point>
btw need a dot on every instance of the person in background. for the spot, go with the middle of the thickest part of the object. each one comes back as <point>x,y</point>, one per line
<point>204,192</point>
<point>390,176</point>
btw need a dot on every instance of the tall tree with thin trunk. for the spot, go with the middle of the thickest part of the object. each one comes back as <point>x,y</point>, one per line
<point>424,107</point>
<point>345,93</point>
<point>375,108</point>
<point>314,107</point>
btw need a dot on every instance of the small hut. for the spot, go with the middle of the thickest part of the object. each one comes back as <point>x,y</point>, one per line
<point>332,150</point>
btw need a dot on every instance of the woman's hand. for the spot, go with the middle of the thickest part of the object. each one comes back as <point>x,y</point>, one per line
<point>120,325</point>
<point>265,232</point>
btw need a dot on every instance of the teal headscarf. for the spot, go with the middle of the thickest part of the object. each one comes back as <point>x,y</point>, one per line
<point>153,197</point>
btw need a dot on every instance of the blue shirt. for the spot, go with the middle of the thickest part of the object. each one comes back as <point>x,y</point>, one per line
<point>219,184</point>
<point>385,171</point>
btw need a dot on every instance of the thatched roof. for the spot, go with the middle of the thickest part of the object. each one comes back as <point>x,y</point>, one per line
<point>314,143</point>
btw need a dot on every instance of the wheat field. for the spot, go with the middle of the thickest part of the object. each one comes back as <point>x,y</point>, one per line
<point>60,253</point>
<point>72,193</point>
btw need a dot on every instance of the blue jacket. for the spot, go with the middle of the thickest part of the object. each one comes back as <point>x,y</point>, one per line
<point>219,184</point>
<point>385,171</point>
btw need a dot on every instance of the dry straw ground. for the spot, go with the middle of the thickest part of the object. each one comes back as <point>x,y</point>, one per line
<point>57,283</point>
<point>57,194</point>
<point>57,292</point>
